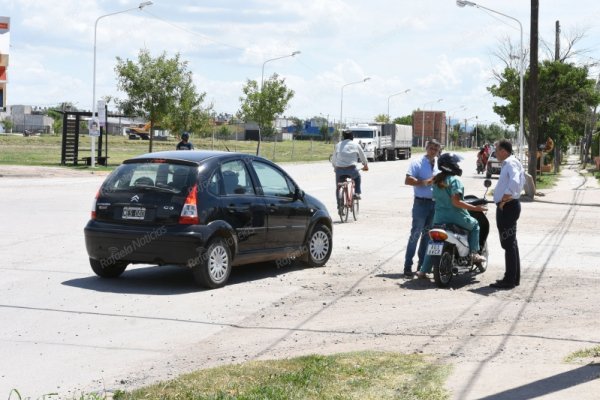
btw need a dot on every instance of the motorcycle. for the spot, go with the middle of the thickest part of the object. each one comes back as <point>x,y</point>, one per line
<point>481,162</point>
<point>449,245</point>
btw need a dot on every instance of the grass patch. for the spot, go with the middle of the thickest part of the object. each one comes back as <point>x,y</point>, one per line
<point>359,375</point>
<point>45,150</point>
<point>584,356</point>
<point>546,180</point>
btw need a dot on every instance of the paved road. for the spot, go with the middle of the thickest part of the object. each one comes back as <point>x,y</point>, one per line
<point>65,330</point>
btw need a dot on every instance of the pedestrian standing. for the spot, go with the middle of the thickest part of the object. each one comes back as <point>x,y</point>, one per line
<point>420,176</point>
<point>506,196</point>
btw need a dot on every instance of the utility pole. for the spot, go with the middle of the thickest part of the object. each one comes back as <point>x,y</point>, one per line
<point>557,134</point>
<point>533,89</point>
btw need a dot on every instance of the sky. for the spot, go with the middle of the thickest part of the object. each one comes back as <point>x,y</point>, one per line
<point>433,48</point>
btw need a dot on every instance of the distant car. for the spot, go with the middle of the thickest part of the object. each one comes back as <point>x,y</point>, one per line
<point>493,166</point>
<point>204,210</point>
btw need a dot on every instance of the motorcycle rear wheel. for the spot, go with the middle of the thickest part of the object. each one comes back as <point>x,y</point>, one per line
<point>442,269</point>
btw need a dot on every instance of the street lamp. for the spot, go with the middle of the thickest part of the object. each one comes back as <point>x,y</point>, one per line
<point>463,3</point>
<point>392,95</point>
<point>262,79</point>
<point>423,125</point>
<point>94,105</point>
<point>342,96</point>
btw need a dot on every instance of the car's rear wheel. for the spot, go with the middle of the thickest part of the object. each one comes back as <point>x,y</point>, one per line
<point>319,246</point>
<point>214,267</point>
<point>108,270</point>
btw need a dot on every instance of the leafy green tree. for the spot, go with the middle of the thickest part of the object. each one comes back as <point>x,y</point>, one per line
<point>188,113</point>
<point>264,106</point>
<point>155,88</point>
<point>406,120</point>
<point>8,124</point>
<point>565,94</point>
<point>382,119</point>
<point>298,126</point>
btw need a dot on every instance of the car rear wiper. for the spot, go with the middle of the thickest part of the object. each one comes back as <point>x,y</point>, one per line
<point>166,189</point>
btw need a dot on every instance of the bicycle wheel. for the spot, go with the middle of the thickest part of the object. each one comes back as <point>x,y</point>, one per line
<point>355,208</point>
<point>342,210</point>
<point>347,202</point>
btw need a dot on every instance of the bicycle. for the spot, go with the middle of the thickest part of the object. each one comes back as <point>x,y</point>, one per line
<point>347,200</point>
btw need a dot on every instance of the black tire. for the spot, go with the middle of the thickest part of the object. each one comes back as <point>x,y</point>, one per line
<point>355,208</point>
<point>342,209</point>
<point>214,267</point>
<point>442,269</point>
<point>318,246</point>
<point>482,267</point>
<point>105,270</point>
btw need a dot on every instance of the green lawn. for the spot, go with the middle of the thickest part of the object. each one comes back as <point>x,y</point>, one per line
<point>362,375</point>
<point>45,150</point>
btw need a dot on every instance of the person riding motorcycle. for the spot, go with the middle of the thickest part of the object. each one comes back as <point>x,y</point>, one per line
<point>344,158</point>
<point>450,207</point>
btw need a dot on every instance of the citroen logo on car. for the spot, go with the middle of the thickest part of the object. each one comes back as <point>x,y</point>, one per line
<point>135,198</point>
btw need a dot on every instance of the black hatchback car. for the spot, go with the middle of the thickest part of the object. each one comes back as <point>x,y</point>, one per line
<point>205,210</point>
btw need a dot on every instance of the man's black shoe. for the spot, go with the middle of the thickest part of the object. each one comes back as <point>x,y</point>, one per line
<point>500,280</point>
<point>408,274</point>
<point>502,285</point>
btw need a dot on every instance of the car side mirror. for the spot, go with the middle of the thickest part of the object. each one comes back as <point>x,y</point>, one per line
<point>299,194</point>
<point>487,183</point>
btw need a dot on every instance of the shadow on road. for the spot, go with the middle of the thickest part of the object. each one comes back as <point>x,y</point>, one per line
<point>170,279</point>
<point>549,385</point>
<point>458,281</point>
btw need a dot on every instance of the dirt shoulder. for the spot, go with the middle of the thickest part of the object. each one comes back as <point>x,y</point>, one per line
<point>24,171</point>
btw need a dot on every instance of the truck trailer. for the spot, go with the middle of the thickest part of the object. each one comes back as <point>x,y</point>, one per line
<point>383,142</point>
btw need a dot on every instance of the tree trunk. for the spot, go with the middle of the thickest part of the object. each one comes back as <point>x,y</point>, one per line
<point>151,136</point>
<point>533,90</point>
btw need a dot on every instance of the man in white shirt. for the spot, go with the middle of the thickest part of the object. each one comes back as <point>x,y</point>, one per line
<point>344,160</point>
<point>506,196</point>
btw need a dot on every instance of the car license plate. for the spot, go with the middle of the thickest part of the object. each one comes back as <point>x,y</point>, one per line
<point>435,249</point>
<point>134,212</point>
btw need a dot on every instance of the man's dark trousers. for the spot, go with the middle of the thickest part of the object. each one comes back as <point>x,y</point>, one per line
<point>506,221</point>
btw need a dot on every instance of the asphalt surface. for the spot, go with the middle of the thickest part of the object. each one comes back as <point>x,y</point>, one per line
<point>64,330</point>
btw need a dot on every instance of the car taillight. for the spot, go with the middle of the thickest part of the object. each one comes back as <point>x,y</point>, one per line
<point>189,213</point>
<point>93,216</point>
<point>439,235</point>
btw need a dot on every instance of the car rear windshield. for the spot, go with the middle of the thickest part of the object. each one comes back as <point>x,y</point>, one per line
<point>166,177</point>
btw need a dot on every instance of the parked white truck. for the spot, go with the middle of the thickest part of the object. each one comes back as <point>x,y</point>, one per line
<point>383,142</point>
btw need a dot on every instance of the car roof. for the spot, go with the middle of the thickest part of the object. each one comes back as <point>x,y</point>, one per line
<point>195,156</point>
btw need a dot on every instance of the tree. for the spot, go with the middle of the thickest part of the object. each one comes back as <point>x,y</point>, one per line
<point>298,126</point>
<point>188,113</point>
<point>382,119</point>
<point>406,120</point>
<point>264,106</point>
<point>157,87</point>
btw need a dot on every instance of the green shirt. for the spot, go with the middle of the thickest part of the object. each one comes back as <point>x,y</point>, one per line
<point>445,211</point>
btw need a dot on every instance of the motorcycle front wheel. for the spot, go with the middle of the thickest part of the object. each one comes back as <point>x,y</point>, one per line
<point>442,268</point>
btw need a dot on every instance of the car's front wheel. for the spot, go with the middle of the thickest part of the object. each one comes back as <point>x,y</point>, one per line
<point>319,246</point>
<point>108,270</point>
<point>214,267</point>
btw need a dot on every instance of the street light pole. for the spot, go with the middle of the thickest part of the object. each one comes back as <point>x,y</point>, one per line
<point>94,105</point>
<point>423,124</point>
<point>388,101</point>
<point>342,98</point>
<point>463,3</point>
<point>262,79</point>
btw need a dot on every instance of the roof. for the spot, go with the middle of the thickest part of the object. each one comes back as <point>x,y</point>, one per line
<point>196,156</point>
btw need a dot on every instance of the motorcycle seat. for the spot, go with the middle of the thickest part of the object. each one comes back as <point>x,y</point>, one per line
<point>454,228</point>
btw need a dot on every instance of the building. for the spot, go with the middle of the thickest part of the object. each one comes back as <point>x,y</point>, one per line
<point>24,118</point>
<point>429,125</point>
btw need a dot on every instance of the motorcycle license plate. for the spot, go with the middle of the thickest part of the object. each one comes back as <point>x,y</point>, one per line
<point>435,249</point>
<point>134,213</point>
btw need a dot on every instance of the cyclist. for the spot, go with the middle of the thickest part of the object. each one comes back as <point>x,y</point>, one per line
<point>345,156</point>
<point>185,144</point>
